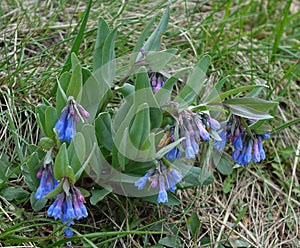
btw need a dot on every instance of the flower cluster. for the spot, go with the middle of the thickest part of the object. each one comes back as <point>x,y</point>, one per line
<point>157,80</point>
<point>68,205</point>
<point>163,178</point>
<point>246,147</point>
<point>195,127</point>
<point>66,125</point>
<point>47,180</point>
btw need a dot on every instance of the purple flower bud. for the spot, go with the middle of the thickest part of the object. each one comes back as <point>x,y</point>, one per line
<point>82,111</point>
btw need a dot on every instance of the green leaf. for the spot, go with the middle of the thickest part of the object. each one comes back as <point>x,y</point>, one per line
<point>163,96</point>
<point>84,166</point>
<point>61,162</point>
<point>126,89</point>
<point>61,97</point>
<point>14,193</point>
<point>30,167</point>
<point>239,218</point>
<point>40,116</point>
<point>46,143</point>
<point>92,91</point>
<point>153,43</point>
<point>97,160</point>
<point>260,127</point>
<point>77,151</point>
<point>194,175</point>
<point>228,93</point>
<point>286,125</point>
<point>255,103</point>
<point>98,195</point>
<point>194,224</point>
<point>37,205</point>
<point>75,85</point>
<point>123,150</point>
<point>108,67</point>
<point>103,127</point>
<point>139,44</point>
<point>222,162</point>
<point>5,165</point>
<point>169,241</point>
<point>248,112</point>
<point>102,33</point>
<point>74,61</point>
<point>194,84</point>
<point>156,61</point>
<point>143,94</point>
<point>50,120</point>
<point>140,128</point>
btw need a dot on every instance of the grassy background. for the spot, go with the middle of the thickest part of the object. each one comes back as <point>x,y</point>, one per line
<point>249,42</point>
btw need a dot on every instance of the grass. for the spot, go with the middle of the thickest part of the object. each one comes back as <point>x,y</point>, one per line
<point>249,42</point>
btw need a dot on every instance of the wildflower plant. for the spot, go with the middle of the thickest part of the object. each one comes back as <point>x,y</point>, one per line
<point>124,124</point>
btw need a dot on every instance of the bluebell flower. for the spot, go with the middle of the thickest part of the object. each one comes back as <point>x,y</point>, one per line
<point>189,150</point>
<point>143,180</point>
<point>68,206</point>
<point>256,154</point>
<point>162,195</point>
<point>173,154</point>
<point>61,124</point>
<point>246,147</point>
<point>238,143</point>
<point>47,180</point>
<point>173,177</point>
<point>68,233</point>
<point>163,178</point>
<point>261,149</point>
<point>56,208</point>
<point>220,144</point>
<point>195,127</point>
<point>71,114</point>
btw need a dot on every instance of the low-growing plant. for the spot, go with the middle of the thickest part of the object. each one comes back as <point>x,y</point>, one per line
<point>143,126</point>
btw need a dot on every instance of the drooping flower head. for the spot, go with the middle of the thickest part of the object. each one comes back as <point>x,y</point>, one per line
<point>71,114</point>
<point>68,206</point>
<point>157,80</point>
<point>162,178</point>
<point>246,147</point>
<point>46,175</point>
<point>196,128</point>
